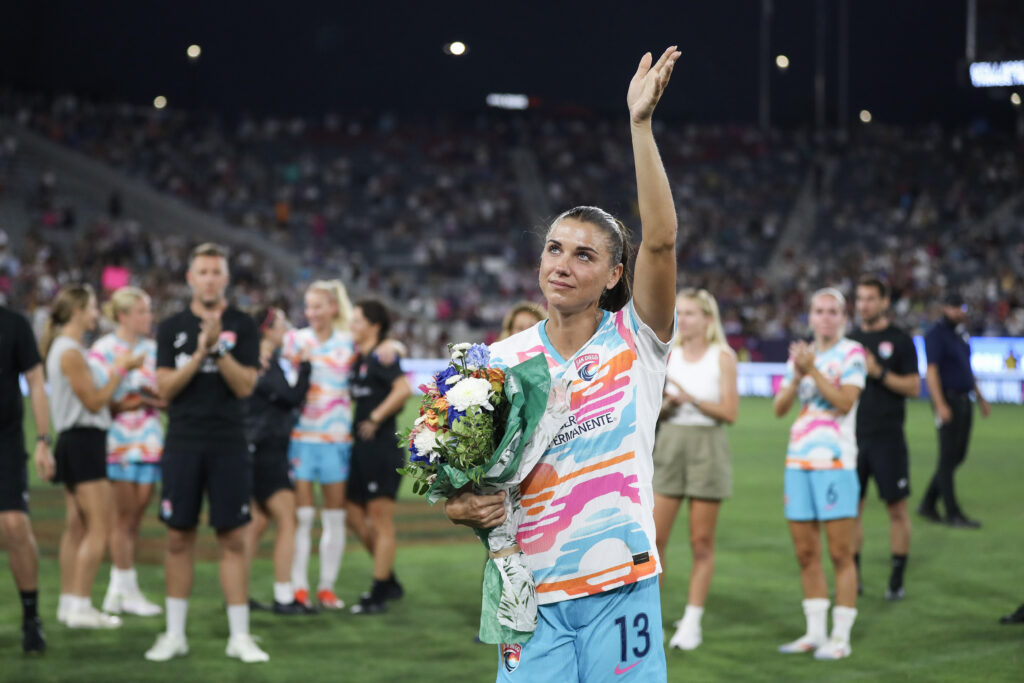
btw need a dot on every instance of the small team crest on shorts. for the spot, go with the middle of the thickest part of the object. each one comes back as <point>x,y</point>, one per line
<point>885,349</point>
<point>165,509</point>
<point>587,365</point>
<point>510,656</point>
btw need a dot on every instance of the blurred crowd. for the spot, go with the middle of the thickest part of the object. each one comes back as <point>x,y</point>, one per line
<point>436,215</point>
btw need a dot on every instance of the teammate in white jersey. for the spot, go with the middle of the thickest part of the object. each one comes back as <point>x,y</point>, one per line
<point>691,455</point>
<point>134,443</point>
<point>589,535</point>
<point>827,376</point>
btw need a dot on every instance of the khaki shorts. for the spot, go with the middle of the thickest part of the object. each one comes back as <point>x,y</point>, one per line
<point>692,462</point>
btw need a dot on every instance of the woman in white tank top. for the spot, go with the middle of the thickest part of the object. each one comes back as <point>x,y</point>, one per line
<point>81,417</point>
<point>691,453</point>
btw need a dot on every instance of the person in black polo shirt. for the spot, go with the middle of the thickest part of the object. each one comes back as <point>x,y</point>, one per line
<point>950,382</point>
<point>207,358</point>
<point>20,356</point>
<point>882,448</point>
<point>380,390</point>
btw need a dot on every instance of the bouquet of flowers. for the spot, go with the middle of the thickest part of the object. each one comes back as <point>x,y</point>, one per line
<point>485,427</point>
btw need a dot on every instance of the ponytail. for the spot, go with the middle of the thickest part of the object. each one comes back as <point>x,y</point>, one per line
<point>68,300</point>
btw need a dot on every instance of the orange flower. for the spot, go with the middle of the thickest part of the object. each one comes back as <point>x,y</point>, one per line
<point>440,404</point>
<point>432,419</point>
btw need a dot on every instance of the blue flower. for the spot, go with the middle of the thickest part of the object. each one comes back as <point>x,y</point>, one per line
<point>478,356</point>
<point>441,379</point>
<point>414,455</point>
<point>454,415</point>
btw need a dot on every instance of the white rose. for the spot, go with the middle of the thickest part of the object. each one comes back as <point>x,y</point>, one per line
<point>459,348</point>
<point>425,442</point>
<point>472,391</point>
<point>454,379</point>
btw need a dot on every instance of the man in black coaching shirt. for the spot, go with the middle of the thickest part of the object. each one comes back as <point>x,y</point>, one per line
<point>19,355</point>
<point>882,448</point>
<point>207,358</point>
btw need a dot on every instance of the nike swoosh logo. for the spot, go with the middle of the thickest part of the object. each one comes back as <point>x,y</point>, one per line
<point>619,670</point>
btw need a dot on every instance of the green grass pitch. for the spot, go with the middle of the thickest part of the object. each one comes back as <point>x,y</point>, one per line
<point>958,583</point>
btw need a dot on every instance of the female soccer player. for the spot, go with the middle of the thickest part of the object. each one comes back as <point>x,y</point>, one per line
<point>691,453</point>
<point>590,537</point>
<point>81,417</point>
<point>522,316</point>
<point>827,376</point>
<point>271,413</point>
<point>321,443</point>
<point>379,390</point>
<point>134,443</point>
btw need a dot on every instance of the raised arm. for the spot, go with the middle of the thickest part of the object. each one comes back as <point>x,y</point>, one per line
<point>654,282</point>
<point>76,369</point>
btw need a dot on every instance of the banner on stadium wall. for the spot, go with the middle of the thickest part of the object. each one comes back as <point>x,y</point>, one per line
<point>996,362</point>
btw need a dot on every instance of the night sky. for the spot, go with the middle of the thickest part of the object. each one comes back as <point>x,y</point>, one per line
<point>906,56</point>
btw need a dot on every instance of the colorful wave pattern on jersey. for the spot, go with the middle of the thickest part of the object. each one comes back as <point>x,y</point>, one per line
<point>135,436</point>
<point>821,438</point>
<point>327,414</point>
<point>583,530</point>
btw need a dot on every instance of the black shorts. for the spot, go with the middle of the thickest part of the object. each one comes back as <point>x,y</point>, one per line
<point>270,469</point>
<point>81,456</point>
<point>373,470</point>
<point>13,474</point>
<point>884,457</point>
<point>220,467</point>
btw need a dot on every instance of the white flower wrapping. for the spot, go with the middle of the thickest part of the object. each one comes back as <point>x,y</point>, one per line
<point>471,391</point>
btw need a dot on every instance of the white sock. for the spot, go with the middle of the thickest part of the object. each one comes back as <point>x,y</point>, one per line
<point>124,580</point>
<point>238,620</point>
<point>177,611</point>
<point>692,616</point>
<point>842,622</point>
<point>300,558</point>
<point>816,611</point>
<point>79,604</point>
<point>283,593</point>
<point>332,546</point>
<point>64,604</point>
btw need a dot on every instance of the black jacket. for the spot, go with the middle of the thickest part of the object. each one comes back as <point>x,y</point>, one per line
<point>273,408</point>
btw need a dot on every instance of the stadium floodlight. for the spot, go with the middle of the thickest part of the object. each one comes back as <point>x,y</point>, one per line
<point>782,61</point>
<point>159,102</point>
<point>997,74</point>
<point>194,51</point>
<point>1015,99</point>
<point>507,101</point>
<point>456,48</point>
<point>865,116</point>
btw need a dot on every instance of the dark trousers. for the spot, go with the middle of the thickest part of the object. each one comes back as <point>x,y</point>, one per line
<point>953,439</point>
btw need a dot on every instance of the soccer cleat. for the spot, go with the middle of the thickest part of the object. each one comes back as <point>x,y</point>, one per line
<point>33,642</point>
<point>895,595</point>
<point>802,644</point>
<point>294,607</point>
<point>167,647</point>
<point>929,513</point>
<point>368,605</point>
<point>257,606</point>
<point>92,618</point>
<point>130,603</point>
<point>686,637</point>
<point>302,595</point>
<point>1014,618</point>
<point>962,522</point>
<point>834,649</point>
<point>243,647</point>
<point>328,600</point>
<point>393,590</point>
